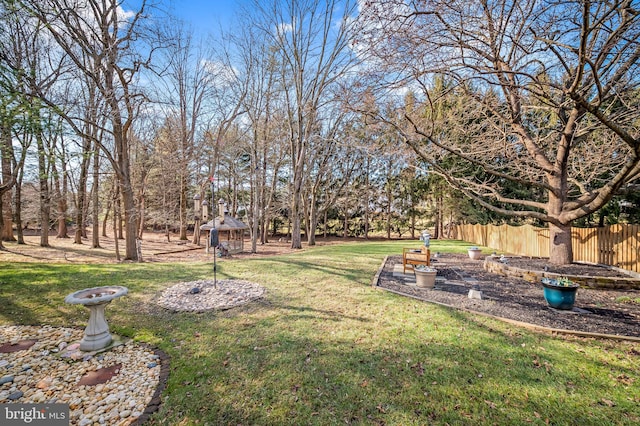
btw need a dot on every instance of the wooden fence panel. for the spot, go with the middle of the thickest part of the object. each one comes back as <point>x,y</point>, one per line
<point>615,245</point>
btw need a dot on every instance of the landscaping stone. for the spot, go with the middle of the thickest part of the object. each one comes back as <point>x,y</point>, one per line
<point>50,378</point>
<point>225,294</point>
<point>15,395</point>
<point>16,346</point>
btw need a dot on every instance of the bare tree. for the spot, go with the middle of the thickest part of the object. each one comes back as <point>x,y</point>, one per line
<point>9,171</point>
<point>9,99</point>
<point>544,92</point>
<point>310,40</point>
<point>93,120</point>
<point>186,87</point>
<point>264,142</point>
<point>8,176</point>
<point>33,62</point>
<point>163,188</point>
<point>332,160</point>
<point>61,187</point>
<point>95,198</point>
<point>111,37</point>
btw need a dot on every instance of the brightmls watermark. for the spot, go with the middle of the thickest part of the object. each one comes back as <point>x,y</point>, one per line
<point>34,414</point>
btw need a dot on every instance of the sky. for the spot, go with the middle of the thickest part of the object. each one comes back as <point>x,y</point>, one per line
<point>205,15</point>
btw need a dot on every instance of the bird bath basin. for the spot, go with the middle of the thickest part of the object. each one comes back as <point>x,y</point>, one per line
<point>96,335</point>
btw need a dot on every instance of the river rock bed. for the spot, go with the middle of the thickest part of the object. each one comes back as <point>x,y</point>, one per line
<point>37,372</point>
<point>205,295</point>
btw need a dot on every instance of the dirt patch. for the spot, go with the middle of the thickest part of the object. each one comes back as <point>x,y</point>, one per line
<point>614,312</point>
<point>155,248</point>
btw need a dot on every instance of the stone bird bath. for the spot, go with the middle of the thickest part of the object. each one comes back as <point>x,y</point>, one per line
<point>96,335</point>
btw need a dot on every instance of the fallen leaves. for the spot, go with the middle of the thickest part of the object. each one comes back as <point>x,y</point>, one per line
<point>418,369</point>
<point>607,402</point>
<point>625,380</point>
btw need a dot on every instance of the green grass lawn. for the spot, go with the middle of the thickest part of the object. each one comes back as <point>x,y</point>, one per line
<point>323,347</point>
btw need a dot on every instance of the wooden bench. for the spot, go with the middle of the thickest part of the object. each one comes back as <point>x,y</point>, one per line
<point>413,257</point>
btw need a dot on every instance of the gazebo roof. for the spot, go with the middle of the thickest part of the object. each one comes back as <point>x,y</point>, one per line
<point>229,224</point>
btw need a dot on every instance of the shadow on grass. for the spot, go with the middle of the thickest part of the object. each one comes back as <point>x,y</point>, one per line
<point>16,313</point>
<point>469,372</point>
<point>67,253</point>
<point>350,274</point>
<point>305,312</point>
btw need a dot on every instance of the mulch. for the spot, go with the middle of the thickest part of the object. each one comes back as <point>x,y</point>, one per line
<point>601,312</point>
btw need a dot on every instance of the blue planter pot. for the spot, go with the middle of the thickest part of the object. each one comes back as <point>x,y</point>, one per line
<point>559,297</point>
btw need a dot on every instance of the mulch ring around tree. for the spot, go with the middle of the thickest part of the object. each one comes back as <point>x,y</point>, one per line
<point>601,312</point>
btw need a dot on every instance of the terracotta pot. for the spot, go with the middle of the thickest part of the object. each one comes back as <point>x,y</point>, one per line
<point>426,279</point>
<point>475,254</point>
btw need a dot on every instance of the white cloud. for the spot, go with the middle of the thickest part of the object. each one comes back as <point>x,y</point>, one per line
<point>222,74</point>
<point>124,15</point>
<point>284,28</point>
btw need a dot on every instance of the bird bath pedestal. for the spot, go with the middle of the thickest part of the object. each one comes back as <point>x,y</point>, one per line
<point>96,335</point>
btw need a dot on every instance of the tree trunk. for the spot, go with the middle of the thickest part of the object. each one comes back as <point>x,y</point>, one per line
<point>7,217</point>
<point>264,199</point>
<point>141,209</point>
<point>116,214</point>
<point>45,198</point>
<point>130,222</point>
<point>296,239</point>
<point>438,221</point>
<point>413,223</point>
<point>312,226</point>
<point>264,228</point>
<point>312,221</point>
<point>324,223</point>
<point>450,225</point>
<point>63,231</point>
<point>17,215</point>
<point>367,198</point>
<point>6,220</point>
<point>183,208</point>
<point>60,184</point>
<point>119,229</point>
<point>95,199</point>
<point>389,216</point>
<point>196,232</point>
<point>82,193</point>
<point>255,229</point>
<point>345,224</point>
<point>254,209</point>
<point>1,220</point>
<point>560,247</point>
<point>106,219</point>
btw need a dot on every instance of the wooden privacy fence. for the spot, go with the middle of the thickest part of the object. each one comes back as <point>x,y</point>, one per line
<point>614,245</point>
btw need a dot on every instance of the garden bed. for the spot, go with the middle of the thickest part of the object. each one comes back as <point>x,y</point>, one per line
<point>607,312</point>
<point>586,275</point>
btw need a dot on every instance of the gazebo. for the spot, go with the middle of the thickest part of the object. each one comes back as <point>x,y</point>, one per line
<point>230,230</point>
